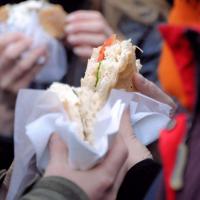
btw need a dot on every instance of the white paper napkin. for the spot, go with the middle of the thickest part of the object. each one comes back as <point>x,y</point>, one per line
<point>40,113</point>
<point>148,117</point>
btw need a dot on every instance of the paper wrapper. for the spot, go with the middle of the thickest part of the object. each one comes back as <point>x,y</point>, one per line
<point>40,113</point>
<point>28,24</point>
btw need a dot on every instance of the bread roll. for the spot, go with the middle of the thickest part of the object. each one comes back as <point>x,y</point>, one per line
<point>51,16</point>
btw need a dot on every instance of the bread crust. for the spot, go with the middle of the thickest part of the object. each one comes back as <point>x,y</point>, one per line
<point>52,20</point>
<point>4,13</point>
<point>125,80</point>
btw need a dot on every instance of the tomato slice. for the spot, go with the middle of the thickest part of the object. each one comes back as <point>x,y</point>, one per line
<point>107,43</point>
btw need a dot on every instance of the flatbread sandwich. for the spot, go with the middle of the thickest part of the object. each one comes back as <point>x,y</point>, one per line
<point>111,65</point>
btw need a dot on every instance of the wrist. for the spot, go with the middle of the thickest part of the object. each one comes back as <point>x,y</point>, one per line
<point>137,153</point>
<point>8,98</point>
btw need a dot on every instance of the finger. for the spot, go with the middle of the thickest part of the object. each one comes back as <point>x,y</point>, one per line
<point>115,158</point>
<point>86,39</point>
<point>83,51</point>
<point>126,129</point>
<point>8,80</point>
<point>117,182</point>
<point>13,52</point>
<point>85,26</point>
<point>32,58</point>
<point>137,151</point>
<point>57,150</point>
<point>83,15</point>
<point>148,88</point>
<point>9,38</point>
<point>25,80</point>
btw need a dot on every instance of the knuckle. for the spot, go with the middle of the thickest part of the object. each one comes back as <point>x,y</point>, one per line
<point>145,82</point>
<point>98,14</point>
<point>8,56</point>
<point>103,37</point>
<point>3,86</point>
<point>106,182</point>
<point>101,26</point>
<point>111,195</point>
<point>124,152</point>
<point>22,67</point>
<point>15,89</point>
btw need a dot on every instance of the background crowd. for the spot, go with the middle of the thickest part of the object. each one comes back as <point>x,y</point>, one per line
<point>168,33</point>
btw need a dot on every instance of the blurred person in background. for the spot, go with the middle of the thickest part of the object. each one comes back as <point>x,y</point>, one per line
<point>185,13</point>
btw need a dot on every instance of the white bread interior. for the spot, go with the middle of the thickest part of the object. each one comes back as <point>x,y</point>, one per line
<point>71,103</point>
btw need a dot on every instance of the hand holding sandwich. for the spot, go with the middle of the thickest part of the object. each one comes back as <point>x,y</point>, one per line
<point>138,151</point>
<point>148,88</point>
<point>100,182</point>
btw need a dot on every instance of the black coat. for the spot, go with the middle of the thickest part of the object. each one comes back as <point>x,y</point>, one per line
<point>69,5</point>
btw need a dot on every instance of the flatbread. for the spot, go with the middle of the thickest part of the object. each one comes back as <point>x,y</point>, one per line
<point>53,20</point>
<point>4,13</point>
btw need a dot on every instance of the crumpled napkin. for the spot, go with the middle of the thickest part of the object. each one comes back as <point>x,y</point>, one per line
<point>148,117</point>
<point>40,113</point>
<point>50,117</point>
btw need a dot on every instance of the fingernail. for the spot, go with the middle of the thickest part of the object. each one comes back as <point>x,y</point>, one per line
<point>71,39</point>
<point>41,60</point>
<point>42,48</point>
<point>76,51</point>
<point>3,84</point>
<point>29,40</point>
<point>69,29</point>
<point>70,17</point>
<point>140,78</point>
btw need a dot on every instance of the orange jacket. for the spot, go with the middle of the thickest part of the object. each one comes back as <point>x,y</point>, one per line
<point>187,15</point>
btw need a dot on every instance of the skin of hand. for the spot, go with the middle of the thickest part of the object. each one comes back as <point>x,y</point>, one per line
<point>103,180</point>
<point>148,88</point>
<point>17,72</point>
<point>137,151</point>
<point>86,30</point>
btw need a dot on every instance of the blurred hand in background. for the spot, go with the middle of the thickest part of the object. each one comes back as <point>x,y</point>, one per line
<point>18,71</point>
<point>86,30</point>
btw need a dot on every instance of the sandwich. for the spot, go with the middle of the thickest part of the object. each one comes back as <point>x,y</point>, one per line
<point>111,65</point>
<point>51,17</point>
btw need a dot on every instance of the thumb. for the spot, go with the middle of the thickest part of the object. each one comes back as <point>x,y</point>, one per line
<point>57,149</point>
<point>126,130</point>
<point>148,88</point>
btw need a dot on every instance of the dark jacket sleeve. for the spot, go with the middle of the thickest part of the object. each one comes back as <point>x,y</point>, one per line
<point>55,188</point>
<point>138,180</point>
